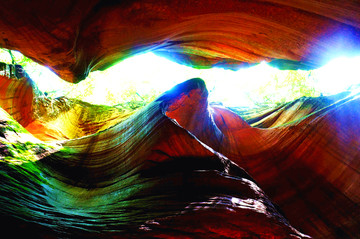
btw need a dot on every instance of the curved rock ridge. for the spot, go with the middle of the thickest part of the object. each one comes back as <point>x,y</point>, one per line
<point>144,176</point>
<point>16,97</point>
<point>293,112</point>
<point>308,163</point>
<point>63,118</point>
<point>153,172</point>
<point>76,37</point>
<point>51,119</point>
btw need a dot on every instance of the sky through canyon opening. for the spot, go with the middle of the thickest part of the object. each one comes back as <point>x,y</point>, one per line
<point>140,79</point>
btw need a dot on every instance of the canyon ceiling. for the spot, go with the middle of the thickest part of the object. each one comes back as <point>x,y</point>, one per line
<point>75,37</point>
<point>179,167</point>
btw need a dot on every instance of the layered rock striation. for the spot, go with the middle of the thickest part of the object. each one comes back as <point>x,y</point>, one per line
<point>145,176</point>
<point>76,37</point>
<point>176,168</point>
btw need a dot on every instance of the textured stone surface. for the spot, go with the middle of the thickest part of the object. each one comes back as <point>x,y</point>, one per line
<point>16,97</point>
<point>177,167</point>
<point>75,37</point>
<point>172,169</point>
<point>145,176</point>
<point>308,163</point>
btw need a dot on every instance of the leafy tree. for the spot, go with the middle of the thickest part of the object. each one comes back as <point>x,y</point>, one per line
<point>285,86</point>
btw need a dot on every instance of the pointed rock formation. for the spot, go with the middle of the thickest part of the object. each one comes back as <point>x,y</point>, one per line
<point>307,163</point>
<point>176,168</point>
<point>143,177</point>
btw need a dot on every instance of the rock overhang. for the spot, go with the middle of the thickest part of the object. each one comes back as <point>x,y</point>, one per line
<point>76,37</point>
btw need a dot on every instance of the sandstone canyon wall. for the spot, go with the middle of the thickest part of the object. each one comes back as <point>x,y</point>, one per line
<point>179,167</point>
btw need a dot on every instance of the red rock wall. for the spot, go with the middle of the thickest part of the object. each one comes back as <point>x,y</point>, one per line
<point>75,37</point>
<point>172,169</point>
<point>308,165</point>
<point>16,97</point>
<point>144,177</point>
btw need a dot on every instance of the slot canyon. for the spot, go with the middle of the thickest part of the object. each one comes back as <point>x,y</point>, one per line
<point>181,166</point>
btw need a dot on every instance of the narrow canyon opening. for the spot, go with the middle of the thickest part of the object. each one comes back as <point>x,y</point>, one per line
<point>180,119</point>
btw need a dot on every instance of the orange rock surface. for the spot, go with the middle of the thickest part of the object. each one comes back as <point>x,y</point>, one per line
<point>179,167</point>
<point>308,164</point>
<point>143,176</point>
<point>172,170</point>
<point>75,37</point>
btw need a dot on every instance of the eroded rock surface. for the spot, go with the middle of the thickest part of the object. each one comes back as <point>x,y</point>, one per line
<point>75,37</point>
<point>145,176</point>
<point>307,159</point>
<point>176,169</point>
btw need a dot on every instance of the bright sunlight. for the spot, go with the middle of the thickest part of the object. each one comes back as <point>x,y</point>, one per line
<point>144,77</point>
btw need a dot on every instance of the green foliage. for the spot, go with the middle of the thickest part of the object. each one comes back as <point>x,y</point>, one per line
<point>114,89</point>
<point>17,150</point>
<point>285,86</point>
<point>5,56</point>
<point>20,59</point>
<point>131,99</point>
<point>82,91</point>
<point>98,92</point>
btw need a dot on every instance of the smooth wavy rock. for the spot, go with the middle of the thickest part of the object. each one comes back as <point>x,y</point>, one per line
<point>145,176</point>
<point>16,97</point>
<point>308,163</point>
<point>292,112</point>
<point>51,119</point>
<point>76,37</point>
<point>161,171</point>
<point>63,118</point>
